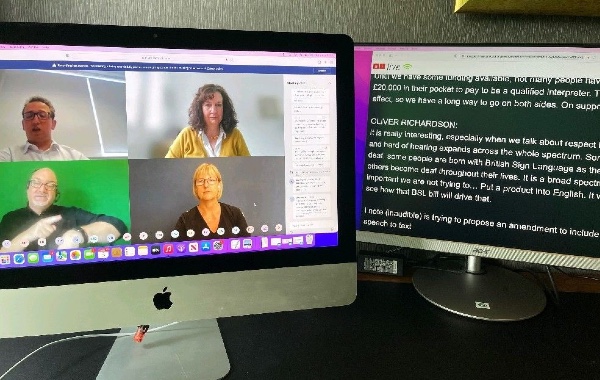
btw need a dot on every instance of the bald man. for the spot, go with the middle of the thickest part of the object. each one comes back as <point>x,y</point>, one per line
<point>42,220</point>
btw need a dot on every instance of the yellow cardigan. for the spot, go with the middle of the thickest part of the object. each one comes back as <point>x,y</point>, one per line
<point>189,144</point>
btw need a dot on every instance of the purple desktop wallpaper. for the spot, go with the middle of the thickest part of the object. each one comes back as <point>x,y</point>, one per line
<point>362,79</point>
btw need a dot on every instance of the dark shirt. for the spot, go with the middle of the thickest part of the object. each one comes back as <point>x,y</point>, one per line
<point>17,221</point>
<point>231,216</point>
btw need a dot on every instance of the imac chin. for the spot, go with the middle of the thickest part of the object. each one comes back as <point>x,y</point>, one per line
<point>164,175</point>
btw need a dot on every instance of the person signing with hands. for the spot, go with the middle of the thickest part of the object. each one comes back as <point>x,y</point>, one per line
<point>42,220</point>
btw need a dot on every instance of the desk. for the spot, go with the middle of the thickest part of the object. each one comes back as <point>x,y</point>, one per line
<point>390,332</point>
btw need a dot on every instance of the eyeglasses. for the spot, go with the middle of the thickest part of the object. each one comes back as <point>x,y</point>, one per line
<point>50,186</point>
<point>208,181</point>
<point>42,115</point>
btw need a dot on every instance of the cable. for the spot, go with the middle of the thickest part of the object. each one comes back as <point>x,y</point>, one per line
<point>573,275</point>
<point>554,292</point>
<point>78,337</point>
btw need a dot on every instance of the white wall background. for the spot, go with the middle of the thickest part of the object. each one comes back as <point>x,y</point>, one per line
<point>89,108</point>
<point>158,103</point>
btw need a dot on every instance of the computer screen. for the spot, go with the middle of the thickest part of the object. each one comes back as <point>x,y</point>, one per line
<point>200,164</point>
<point>483,151</point>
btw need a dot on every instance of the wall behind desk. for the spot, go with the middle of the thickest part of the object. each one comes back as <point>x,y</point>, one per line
<point>429,21</point>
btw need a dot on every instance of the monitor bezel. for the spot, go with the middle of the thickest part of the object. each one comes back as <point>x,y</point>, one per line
<point>460,247</point>
<point>205,39</point>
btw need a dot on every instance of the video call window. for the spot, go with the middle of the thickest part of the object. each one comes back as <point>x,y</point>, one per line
<point>110,153</point>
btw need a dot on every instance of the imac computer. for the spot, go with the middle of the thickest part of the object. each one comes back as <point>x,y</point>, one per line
<point>153,175</point>
<point>480,151</point>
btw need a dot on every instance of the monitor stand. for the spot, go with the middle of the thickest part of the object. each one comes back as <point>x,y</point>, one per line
<point>489,293</point>
<point>186,350</point>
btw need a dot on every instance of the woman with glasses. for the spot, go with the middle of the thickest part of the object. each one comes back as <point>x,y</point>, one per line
<point>210,219</point>
<point>212,130</point>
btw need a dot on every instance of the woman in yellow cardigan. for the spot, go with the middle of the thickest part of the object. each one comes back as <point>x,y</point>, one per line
<point>213,128</point>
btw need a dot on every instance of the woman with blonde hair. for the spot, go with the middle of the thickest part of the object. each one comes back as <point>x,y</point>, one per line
<point>210,218</point>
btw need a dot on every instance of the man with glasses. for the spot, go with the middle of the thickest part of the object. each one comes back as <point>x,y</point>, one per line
<point>38,123</point>
<point>44,225</point>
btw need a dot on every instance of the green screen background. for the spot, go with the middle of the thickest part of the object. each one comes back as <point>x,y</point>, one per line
<point>98,186</point>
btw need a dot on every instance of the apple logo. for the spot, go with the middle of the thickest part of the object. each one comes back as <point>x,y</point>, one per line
<point>162,300</point>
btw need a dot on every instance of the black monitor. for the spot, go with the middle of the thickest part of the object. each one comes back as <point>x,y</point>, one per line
<point>153,175</point>
<point>480,151</point>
